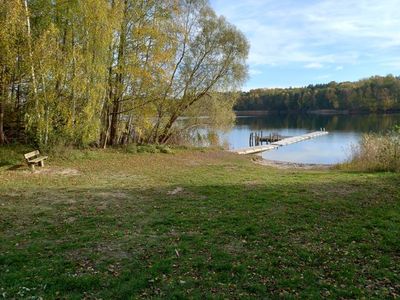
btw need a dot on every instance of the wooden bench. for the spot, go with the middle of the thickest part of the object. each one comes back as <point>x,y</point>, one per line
<point>34,158</point>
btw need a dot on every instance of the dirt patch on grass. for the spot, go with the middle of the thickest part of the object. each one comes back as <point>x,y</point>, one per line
<point>87,260</point>
<point>209,158</point>
<point>179,192</point>
<point>235,246</point>
<point>175,191</point>
<point>113,250</point>
<point>63,199</point>
<point>341,190</point>
<point>112,195</point>
<point>54,171</point>
<point>252,183</point>
<point>70,220</point>
<point>12,195</point>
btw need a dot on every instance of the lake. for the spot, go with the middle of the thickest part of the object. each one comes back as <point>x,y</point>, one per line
<point>344,131</point>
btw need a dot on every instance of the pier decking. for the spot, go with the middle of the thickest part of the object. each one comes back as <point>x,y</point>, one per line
<point>283,142</point>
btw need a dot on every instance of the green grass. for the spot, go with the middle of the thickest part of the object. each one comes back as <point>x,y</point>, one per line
<point>194,224</point>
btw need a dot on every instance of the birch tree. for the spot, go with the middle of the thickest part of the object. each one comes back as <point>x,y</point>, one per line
<point>114,71</point>
<point>12,45</point>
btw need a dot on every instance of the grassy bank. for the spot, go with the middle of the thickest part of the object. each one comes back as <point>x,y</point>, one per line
<point>197,224</point>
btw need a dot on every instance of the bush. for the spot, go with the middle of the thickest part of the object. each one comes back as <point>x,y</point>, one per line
<point>133,148</point>
<point>377,152</point>
<point>165,149</point>
<point>147,149</point>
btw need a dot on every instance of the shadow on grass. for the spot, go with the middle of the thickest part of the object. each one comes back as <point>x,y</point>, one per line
<point>311,239</point>
<point>15,167</point>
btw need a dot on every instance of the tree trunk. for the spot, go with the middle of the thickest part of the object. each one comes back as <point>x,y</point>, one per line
<point>20,124</point>
<point>119,81</point>
<point>2,100</point>
<point>114,123</point>
<point>2,135</point>
<point>33,75</point>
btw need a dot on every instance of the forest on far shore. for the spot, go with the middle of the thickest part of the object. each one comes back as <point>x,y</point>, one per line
<point>374,94</point>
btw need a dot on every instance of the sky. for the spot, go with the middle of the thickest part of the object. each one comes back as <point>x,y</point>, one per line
<point>301,42</point>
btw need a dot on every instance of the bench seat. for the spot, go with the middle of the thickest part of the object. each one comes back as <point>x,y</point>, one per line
<point>38,159</point>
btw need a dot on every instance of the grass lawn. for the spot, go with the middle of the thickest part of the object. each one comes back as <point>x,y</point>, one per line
<point>194,224</point>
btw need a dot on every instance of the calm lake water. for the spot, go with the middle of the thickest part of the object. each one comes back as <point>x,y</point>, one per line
<point>344,131</point>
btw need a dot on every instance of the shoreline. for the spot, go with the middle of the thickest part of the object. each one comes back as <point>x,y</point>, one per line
<point>291,165</point>
<point>246,113</point>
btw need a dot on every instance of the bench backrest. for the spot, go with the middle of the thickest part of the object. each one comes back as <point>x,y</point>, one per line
<point>31,154</point>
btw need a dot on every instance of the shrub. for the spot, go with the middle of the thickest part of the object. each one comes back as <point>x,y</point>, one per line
<point>133,148</point>
<point>377,152</point>
<point>165,149</point>
<point>147,149</point>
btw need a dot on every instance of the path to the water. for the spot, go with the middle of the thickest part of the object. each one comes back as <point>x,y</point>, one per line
<point>283,142</point>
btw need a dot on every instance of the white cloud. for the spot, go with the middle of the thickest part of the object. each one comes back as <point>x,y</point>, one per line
<point>315,33</point>
<point>339,68</point>
<point>254,71</point>
<point>322,77</point>
<point>393,63</point>
<point>314,65</point>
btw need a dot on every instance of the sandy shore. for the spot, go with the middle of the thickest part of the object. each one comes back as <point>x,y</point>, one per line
<point>291,165</point>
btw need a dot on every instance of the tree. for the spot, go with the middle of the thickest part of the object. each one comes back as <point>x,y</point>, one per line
<point>70,60</point>
<point>210,58</point>
<point>139,53</point>
<point>372,95</point>
<point>113,71</point>
<point>12,44</point>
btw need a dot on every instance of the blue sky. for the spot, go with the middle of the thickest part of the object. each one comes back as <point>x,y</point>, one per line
<point>301,42</point>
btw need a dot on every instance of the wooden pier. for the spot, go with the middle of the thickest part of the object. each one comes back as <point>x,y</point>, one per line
<point>280,143</point>
<point>257,138</point>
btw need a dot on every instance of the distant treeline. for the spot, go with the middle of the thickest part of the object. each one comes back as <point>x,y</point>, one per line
<point>375,94</point>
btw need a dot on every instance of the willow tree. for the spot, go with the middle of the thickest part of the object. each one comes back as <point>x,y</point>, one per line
<point>169,57</point>
<point>210,58</point>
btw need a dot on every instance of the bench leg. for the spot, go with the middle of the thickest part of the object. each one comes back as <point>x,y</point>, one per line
<point>41,163</point>
<point>32,167</point>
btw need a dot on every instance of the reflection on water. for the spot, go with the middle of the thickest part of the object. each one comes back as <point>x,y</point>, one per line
<point>345,131</point>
